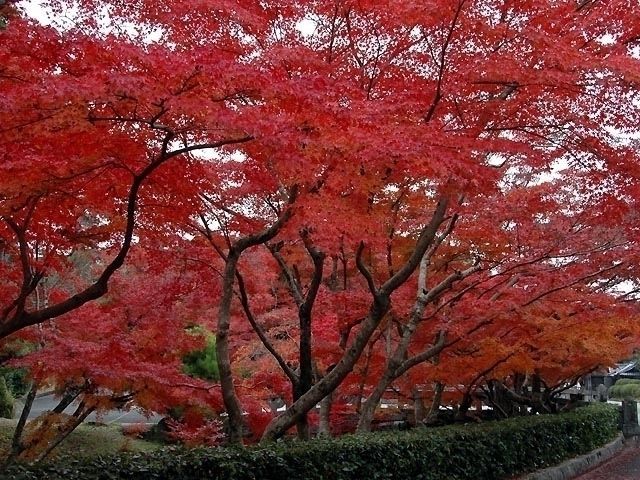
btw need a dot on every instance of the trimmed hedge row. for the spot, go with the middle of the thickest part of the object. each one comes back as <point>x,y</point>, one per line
<point>625,388</point>
<point>487,451</point>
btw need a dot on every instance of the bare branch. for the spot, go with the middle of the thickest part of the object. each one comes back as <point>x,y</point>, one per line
<point>365,271</point>
<point>441,64</point>
<point>100,286</point>
<point>424,242</point>
<point>244,300</point>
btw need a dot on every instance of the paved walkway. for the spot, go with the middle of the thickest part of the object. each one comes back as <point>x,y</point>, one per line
<point>49,402</point>
<point>624,466</point>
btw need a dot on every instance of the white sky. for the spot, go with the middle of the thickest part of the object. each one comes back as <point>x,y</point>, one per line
<point>36,9</point>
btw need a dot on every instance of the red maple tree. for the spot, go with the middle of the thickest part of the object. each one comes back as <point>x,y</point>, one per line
<point>462,165</point>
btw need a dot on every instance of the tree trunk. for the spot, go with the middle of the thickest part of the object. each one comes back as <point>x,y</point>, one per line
<point>371,404</point>
<point>363,379</point>
<point>279,425</point>
<point>302,423</point>
<point>302,427</point>
<point>434,409</point>
<point>65,432</point>
<point>379,308</point>
<point>223,356</point>
<point>395,368</point>
<point>463,409</point>
<point>398,363</point>
<point>16,442</point>
<point>324,425</point>
<point>306,371</point>
<point>418,407</point>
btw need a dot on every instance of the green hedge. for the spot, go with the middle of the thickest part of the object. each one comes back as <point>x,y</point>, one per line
<point>488,451</point>
<point>627,381</point>
<point>625,389</point>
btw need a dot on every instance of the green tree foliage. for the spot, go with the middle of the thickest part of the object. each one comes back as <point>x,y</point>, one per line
<point>5,10</point>
<point>203,363</point>
<point>6,400</point>
<point>16,380</point>
<point>625,389</point>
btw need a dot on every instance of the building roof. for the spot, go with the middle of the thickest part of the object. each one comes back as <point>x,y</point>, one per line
<point>623,368</point>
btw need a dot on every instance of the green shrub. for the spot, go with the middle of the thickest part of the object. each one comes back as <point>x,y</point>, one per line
<point>481,452</point>
<point>627,381</point>
<point>625,389</point>
<point>203,363</point>
<point>6,400</point>
<point>16,379</point>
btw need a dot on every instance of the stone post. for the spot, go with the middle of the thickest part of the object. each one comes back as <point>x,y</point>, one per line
<point>630,426</point>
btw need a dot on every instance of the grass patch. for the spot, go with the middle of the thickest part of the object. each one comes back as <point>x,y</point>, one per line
<point>86,441</point>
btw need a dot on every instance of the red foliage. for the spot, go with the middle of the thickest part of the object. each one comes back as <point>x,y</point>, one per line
<point>197,127</point>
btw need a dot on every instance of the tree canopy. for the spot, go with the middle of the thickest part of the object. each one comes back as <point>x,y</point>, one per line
<point>354,196</point>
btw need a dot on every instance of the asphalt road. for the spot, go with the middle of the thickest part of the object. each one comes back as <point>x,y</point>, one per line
<point>48,402</point>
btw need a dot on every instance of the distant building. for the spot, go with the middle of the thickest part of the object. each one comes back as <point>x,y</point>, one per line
<point>599,382</point>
